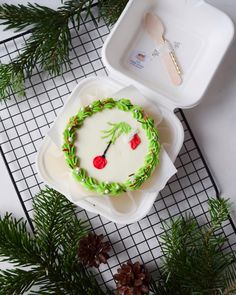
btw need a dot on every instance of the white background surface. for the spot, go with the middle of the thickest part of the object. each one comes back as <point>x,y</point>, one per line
<point>213,122</point>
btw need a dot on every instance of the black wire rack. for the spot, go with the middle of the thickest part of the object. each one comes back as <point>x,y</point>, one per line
<point>25,121</point>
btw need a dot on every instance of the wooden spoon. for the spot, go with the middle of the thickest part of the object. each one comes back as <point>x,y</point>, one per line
<point>156,30</point>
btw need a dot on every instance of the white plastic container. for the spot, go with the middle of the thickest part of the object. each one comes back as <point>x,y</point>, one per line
<point>202,35</point>
<point>202,32</point>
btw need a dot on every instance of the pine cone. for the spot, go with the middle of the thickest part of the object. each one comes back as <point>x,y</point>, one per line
<point>93,251</point>
<point>132,279</point>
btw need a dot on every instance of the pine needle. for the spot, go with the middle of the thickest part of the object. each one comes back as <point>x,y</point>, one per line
<point>194,263</point>
<point>18,281</point>
<point>112,9</point>
<point>49,43</point>
<point>50,253</point>
<point>16,243</point>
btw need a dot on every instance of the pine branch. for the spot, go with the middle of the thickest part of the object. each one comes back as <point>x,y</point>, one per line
<point>219,211</point>
<point>49,43</point>
<point>16,243</point>
<point>18,281</point>
<point>112,9</point>
<point>229,275</point>
<point>56,224</point>
<point>75,279</point>
<point>11,77</point>
<point>58,232</point>
<point>51,253</point>
<point>158,287</point>
<point>20,17</point>
<point>194,262</point>
<point>61,232</point>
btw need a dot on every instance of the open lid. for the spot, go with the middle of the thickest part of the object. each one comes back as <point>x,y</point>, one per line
<point>199,33</point>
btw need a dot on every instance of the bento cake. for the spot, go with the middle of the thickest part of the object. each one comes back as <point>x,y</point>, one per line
<point>111,146</point>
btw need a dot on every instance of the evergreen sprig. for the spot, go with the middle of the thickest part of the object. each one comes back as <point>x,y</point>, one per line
<point>112,9</point>
<point>49,254</point>
<point>194,262</point>
<point>49,42</point>
<point>16,242</point>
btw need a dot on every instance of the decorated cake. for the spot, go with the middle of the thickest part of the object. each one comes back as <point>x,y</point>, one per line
<point>111,146</point>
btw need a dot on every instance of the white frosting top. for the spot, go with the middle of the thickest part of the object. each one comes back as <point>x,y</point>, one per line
<point>122,160</point>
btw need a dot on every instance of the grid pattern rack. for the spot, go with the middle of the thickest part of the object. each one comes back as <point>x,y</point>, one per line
<point>25,121</point>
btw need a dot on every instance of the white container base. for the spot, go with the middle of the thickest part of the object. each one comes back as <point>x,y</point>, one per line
<point>123,209</point>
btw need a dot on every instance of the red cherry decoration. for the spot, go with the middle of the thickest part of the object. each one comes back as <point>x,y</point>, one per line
<point>135,142</point>
<point>99,162</point>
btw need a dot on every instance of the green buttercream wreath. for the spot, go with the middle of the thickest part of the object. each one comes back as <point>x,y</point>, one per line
<point>135,181</point>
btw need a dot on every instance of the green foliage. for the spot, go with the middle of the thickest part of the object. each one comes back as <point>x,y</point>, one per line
<point>18,281</point>
<point>116,130</point>
<point>16,243</point>
<point>50,253</point>
<point>48,44</point>
<point>194,262</point>
<point>11,74</point>
<point>112,9</point>
<point>59,231</point>
<point>219,211</point>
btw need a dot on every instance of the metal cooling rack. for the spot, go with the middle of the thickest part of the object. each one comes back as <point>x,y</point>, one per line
<point>25,121</point>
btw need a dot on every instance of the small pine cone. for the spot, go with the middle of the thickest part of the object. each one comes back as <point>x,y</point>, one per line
<point>93,251</point>
<point>132,279</point>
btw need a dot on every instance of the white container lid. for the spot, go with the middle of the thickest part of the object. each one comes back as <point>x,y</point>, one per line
<point>200,33</point>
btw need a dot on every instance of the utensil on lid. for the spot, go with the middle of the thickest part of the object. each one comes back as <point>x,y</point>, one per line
<point>156,30</point>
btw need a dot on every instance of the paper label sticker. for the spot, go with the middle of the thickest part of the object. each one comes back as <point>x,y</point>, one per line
<point>139,59</point>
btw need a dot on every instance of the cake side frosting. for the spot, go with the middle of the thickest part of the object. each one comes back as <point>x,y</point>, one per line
<point>112,134</point>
